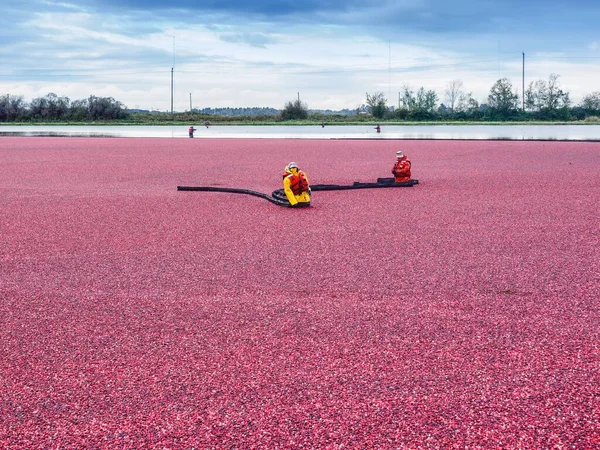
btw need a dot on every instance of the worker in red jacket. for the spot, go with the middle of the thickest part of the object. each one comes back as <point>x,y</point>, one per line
<point>401,169</point>
<point>295,186</point>
<point>191,131</point>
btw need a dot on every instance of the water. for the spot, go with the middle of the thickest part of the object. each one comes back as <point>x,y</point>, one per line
<point>482,132</point>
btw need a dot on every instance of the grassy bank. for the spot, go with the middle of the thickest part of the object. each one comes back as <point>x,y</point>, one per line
<point>271,122</point>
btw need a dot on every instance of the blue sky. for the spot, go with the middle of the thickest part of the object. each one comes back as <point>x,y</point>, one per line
<point>263,53</point>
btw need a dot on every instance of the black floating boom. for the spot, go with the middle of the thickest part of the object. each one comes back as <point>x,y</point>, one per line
<point>278,196</point>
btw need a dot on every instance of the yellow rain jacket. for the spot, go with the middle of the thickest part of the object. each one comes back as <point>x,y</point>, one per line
<point>291,187</point>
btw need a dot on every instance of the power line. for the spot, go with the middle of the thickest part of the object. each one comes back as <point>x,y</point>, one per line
<point>143,70</point>
<point>234,68</point>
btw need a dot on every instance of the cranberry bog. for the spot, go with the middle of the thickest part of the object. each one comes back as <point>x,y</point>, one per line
<point>462,312</point>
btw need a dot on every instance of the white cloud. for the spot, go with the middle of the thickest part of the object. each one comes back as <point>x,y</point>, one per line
<point>78,53</point>
<point>65,5</point>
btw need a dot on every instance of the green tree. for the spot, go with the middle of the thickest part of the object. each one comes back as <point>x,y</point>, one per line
<point>591,103</point>
<point>466,103</point>
<point>418,106</point>
<point>546,98</point>
<point>50,107</point>
<point>376,103</point>
<point>105,108</point>
<point>426,101</point>
<point>38,108</point>
<point>502,99</point>
<point>12,108</point>
<point>79,110</point>
<point>294,111</point>
<point>407,98</point>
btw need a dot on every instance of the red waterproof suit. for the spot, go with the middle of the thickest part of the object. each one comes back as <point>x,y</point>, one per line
<point>401,170</point>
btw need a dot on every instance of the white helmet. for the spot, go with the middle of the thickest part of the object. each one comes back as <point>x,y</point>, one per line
<point>399,154</point>
<point>292,165</point>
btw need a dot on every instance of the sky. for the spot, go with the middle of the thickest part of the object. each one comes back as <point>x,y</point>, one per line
<point>328,53</point>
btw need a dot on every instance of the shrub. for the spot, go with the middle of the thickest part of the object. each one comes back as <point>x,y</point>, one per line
<point>294,110</point>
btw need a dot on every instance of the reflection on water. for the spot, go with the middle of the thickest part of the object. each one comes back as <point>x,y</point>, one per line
<point>483,132</point>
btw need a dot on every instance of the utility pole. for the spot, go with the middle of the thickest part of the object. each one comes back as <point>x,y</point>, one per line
<point>298,97</point>
<point>190,102</point>
<point>523,81</point>
<point>172,70</point>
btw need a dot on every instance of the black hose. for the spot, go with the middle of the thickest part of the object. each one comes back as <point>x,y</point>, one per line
<point>381,183</point>
<point>278,196</point>
<point>235,191</point>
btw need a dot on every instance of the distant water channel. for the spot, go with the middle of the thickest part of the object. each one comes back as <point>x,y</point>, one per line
<point>481,132</point>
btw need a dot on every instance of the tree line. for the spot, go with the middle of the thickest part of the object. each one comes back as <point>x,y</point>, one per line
<point>543,100</point>
<point>52,107</point>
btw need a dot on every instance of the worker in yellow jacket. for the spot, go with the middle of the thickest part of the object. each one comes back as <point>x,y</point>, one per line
<point>295,186</point>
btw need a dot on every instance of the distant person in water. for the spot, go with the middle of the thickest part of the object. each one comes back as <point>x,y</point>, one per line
<point>191,131</point>
<point>378,128</point>
<point>401,169</point>
<point>322,124</point>
<point>207,124</point>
